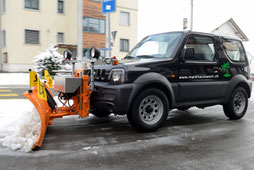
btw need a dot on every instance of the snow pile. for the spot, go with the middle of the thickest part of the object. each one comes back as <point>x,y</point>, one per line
<point>19,125</point>
<point>14,78</point>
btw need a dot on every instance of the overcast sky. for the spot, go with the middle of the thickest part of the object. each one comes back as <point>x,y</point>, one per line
<point>157,16</point>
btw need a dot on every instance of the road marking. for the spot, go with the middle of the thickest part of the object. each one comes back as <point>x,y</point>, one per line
<point>10,94</point>
<point>13,99</point>
<point>5,90</point>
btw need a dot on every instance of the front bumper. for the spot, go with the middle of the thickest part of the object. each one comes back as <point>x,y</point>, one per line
<point>112,98</point>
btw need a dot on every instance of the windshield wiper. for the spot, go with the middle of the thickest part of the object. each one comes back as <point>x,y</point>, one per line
<point>130,57</point>
<point>145,56</point>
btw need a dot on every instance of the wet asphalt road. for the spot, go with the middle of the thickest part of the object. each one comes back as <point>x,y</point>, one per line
<point>194,139</point>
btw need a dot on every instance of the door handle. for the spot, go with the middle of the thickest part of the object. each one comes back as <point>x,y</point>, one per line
<point>216,69</point>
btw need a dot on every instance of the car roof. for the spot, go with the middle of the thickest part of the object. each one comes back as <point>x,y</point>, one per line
<point>187,32</point>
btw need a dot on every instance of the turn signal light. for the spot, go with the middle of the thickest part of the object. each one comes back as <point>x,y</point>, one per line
<point>115,62</point>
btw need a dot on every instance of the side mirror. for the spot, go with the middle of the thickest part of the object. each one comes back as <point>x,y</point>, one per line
<point>67,55</point>
<point>95,53</point>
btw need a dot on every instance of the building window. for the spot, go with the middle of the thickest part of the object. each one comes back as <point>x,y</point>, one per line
<point>124,18</point>
<point>32,4</point>
<point>3,6</point>
<point>32,37</point>
<point>93,25</point>
<point>124,45</point>
<point>3,38</point>
<point>60,37</point>
<point>60,6</point>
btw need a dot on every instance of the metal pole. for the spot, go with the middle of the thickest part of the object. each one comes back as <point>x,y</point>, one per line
<point>92,76</point>
<point>80,30</point>
<point>191,16</point>
<point>108,41</point>
<point>1,38</point>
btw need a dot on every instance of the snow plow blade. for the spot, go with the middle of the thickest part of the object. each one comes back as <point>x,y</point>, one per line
<point>44,111</point>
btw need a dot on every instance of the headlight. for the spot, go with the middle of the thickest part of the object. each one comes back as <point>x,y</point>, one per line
<point>117,76</point>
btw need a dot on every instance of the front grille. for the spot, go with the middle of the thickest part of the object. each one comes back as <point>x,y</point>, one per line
<point>99,74</point>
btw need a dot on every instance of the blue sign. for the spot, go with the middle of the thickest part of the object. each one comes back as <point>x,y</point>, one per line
<point>108,6</point>
<point>106,49</point>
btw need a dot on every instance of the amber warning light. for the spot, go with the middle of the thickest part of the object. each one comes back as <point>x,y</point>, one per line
<point>115,62</point>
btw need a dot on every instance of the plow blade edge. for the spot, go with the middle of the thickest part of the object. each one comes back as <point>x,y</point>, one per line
<point>44,111</point>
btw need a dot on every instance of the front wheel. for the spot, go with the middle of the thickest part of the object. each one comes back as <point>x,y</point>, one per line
<point>149,110</point>
<point>238,103</point>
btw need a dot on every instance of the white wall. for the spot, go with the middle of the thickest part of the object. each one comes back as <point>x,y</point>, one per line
<point>124,32</point>
<point>16,19</point>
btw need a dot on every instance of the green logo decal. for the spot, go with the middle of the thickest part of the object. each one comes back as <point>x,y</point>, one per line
<point>226,67</point>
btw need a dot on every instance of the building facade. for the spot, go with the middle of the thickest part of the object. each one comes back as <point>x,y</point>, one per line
<point>28,27</point>
<point>124,23</point>
<point>123,26</point>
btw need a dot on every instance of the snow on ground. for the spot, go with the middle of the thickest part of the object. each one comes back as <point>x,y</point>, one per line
<point>19,124</point>
<point>14,78</point>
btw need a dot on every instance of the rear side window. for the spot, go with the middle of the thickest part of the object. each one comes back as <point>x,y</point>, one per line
<point>233,49</point>
<point>199,48</point>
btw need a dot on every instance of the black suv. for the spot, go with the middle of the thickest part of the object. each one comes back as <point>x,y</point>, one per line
<point>175,70</point>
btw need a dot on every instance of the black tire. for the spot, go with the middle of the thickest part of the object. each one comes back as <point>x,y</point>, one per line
<point>98,113</point>
<point>237,105</point>
<point>183,108</point>
<point>149,110</point>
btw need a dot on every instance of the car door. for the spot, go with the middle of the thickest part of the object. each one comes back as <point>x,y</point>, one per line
<point>198,75</point>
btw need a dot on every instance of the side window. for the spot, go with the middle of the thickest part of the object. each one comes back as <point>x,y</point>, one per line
<point>199,48</point>
<point>233,49</point>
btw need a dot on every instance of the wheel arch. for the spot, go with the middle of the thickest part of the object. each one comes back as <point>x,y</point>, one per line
<point>238,81</point>
<point>245,86</point>
<point>153,80</point>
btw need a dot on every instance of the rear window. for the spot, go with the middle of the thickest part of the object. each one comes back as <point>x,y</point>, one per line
<point>234,50</point>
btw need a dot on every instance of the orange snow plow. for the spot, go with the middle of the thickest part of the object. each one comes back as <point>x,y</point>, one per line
<point>74,94</point>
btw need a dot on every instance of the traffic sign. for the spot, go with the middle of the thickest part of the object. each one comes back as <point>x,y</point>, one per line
<point>108,6</point>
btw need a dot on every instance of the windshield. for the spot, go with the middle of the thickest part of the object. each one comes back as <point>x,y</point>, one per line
<point>156,46</point>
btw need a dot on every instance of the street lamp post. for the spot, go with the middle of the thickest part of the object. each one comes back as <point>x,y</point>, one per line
<point>1,38</point>
<point>108,39</point>
<point>191,16</point>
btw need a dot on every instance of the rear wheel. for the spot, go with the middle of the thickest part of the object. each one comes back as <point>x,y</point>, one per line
<point>238,103</point>
<point>149,110</point>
